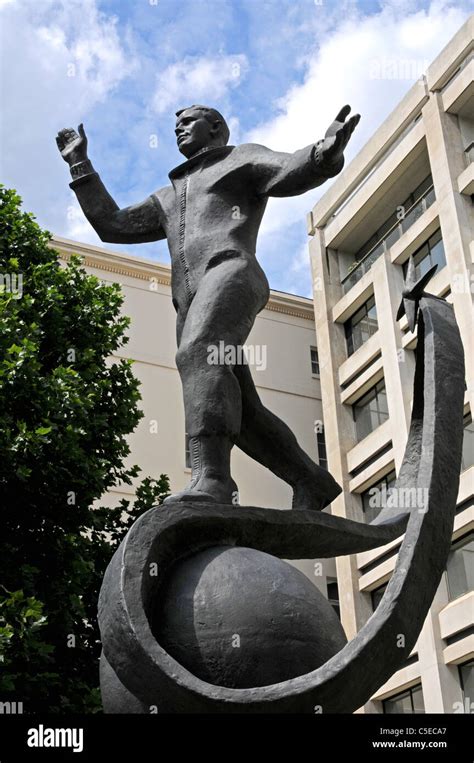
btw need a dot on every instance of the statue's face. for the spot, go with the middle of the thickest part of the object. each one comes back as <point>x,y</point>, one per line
<point>193,132</point>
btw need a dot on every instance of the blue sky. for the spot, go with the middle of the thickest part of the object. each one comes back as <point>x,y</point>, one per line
<point>279,70</point>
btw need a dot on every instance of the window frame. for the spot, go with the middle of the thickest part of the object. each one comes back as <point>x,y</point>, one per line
<point>322,451</point>
<point>382,481</point>
<point>369,396</point>
<point>467,422</point>
<point>314,362</point>
<point>429,245</point>
<point>464,540</point>
<point>462,665</point>
<point>401,695</point>
<point>349,325</point>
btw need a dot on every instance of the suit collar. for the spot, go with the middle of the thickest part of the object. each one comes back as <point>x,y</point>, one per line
<point>207,154</point>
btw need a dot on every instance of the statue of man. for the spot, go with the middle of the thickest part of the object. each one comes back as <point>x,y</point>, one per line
<point>210,214</point>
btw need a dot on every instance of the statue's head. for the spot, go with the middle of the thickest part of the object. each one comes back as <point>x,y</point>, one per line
<point>199,127</point>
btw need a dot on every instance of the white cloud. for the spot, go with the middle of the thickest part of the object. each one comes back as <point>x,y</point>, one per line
<point>364,62</point>
<point>59,60</point>
<point>195,79</point>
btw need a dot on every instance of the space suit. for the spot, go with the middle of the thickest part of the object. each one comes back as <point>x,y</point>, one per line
<point>210,215</point>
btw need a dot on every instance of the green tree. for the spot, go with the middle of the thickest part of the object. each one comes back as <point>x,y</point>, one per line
<point>65,411</point>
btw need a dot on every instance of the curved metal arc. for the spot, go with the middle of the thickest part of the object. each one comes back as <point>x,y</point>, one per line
<point>432,461</point>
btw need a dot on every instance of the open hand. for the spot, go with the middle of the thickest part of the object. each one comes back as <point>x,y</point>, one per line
<point>338,135</point>
<point>73,146</point>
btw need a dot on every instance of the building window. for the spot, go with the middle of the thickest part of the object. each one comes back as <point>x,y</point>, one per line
<point>409,701</point>
<point>187,452</point>
<point>466,679</point>
<point>322,455</point>
<point>361,326</point>
<point>392,229</point>
<point>431,253</point>
<point>314,361</point>
<point>372,499</point>
<point>460,567</point>
<point>468,443</point>
<point>370,411</point>
<point>376,596</point>
<point>333,595</point>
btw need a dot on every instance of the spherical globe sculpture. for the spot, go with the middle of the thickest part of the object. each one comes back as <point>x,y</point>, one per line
<point>240,618</point>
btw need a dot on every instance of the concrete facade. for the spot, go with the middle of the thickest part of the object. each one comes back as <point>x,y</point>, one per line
<point>362,232</point>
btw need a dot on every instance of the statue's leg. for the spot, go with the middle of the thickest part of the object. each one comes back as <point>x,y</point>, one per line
<point>217,324</point>
<point>268,440</point>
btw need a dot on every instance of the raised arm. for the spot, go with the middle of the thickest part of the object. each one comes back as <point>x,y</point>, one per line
<point>131,225</point>
<point>282,174</point>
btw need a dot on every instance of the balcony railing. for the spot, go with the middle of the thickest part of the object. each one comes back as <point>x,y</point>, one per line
<point>412,214</point>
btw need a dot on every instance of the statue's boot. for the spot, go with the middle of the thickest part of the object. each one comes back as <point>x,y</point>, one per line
<point>315,490</point>
<point>210,476</point>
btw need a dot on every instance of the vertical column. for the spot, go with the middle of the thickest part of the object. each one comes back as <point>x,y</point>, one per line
<point>337,419</point>
<point>440,685</point>
<point>447,159</point>
<point>398,364</point>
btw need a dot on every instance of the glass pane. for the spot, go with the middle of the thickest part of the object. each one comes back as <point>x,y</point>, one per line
<point>392,220</point>
<point>400,704</point>
<point>370,306</point>
<point>412,215</point>
<point>370,512</point>
<point>375,419</point>
<point>377,596</point>
<point>361,326</point>
<point>357,337</point>
<point>333,591</point>
<point>350,343</point>
<point>430,198</point>
<point>409,702</point>
<point>390,479</point>
<point>467,680</point>
<point>364,330</point>
<point>358,316</point>
<point>437,255</point>
<point>460,570</point>
<point>382,403</point>
<point>468,446</point>
<point>369,411</point>
<point>417,697</point>
<point>393,236</point>
<point>363,423</point>
<point>420,254</point>
<point>423,266</point>
<point>427,182</point>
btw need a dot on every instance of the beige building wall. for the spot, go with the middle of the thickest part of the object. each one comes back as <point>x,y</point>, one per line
<point>281,339</point>
<point>430,132</point>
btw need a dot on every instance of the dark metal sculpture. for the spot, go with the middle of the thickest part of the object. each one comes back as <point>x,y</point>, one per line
<point>199,573</point>
<point>138,674</point>
<point>210,215</point>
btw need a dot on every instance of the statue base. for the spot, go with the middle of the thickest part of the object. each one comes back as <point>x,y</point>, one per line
<point>234,617</point>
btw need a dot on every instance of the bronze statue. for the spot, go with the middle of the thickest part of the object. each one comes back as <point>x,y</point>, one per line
<point>210,215</point>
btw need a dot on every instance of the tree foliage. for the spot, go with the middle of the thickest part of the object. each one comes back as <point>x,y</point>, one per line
<point>66,408</point>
